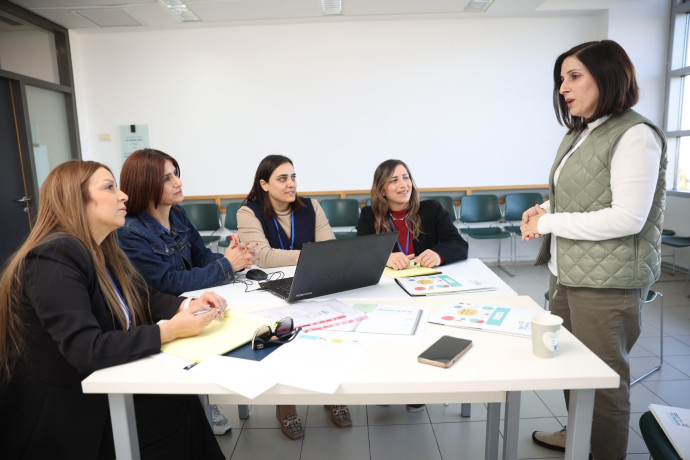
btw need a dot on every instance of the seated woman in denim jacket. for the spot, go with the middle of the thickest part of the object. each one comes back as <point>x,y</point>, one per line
<point>162,243</point>
<point>158,237</point>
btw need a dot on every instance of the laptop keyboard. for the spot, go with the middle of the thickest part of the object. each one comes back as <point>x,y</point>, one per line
<point>279,287</point>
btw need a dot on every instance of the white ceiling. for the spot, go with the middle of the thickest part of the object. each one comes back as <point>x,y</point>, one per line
<point>143,14</point>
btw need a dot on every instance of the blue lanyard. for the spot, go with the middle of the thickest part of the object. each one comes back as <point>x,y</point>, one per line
<point>123,304</point>
<point>292,234</point>
<point>407,243</point>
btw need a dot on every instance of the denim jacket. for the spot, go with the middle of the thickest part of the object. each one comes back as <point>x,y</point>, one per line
<point>173,262</point>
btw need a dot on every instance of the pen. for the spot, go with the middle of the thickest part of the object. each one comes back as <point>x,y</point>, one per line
<point>201,312</point>
<point>189,366</point>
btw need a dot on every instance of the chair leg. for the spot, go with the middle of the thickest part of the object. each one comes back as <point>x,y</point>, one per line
<point>499,260</point>
<point>661,343</point>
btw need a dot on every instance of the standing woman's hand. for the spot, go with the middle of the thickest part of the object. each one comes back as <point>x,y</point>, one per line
<point>530,222</point>
<point>398,260</point>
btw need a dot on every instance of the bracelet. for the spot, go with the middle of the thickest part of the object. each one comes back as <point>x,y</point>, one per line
<point>187,301</point>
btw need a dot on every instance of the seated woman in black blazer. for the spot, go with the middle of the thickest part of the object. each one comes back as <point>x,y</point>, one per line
<point>71,303</point>
<point>427,234</point>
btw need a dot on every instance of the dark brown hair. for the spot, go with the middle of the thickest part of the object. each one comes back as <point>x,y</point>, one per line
<point>62,212</point>
<point>379,203</point>
<point>614,74</point>
<point>263,172</point>
<point>142,178</point>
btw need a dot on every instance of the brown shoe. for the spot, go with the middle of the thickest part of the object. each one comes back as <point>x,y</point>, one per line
<point>340,416</point>
<point>290,424</point>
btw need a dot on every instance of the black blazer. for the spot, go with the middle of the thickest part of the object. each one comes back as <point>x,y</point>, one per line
<point>68,333</point>
<point>438,232</point>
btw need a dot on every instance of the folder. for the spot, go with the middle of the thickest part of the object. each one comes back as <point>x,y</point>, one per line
<point>235,329</point>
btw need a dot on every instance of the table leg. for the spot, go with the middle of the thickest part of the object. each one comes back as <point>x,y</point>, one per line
<point>124,426</point>
<point>511,425</point>
<point>579,431</point>
<point>493,422</point>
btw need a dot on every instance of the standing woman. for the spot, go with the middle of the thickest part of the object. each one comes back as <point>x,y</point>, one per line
<point>603,247</point>
<point>70,304</point>
<point>163,244</point>
<point>427,233</point>
<point>280,222</point>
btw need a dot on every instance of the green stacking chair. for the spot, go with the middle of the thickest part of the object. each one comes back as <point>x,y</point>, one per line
<point>230,222</point>
<point>516,204</point>
<point>447,203</point>
<point>204,217</point>
<point>342,213</point>
<point>483,209</point>
<point>660,448</point>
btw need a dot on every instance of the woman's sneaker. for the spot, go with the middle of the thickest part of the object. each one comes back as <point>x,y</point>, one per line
<point>220,423</point>
<point>551,440</point>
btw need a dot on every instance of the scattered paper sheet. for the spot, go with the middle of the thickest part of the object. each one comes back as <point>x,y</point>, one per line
<point>313,362</point>
<point>245,377</point>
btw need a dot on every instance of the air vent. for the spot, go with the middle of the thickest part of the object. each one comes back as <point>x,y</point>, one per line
<point>108,17</point>
<point>331,7</point>
<point>478,6</point>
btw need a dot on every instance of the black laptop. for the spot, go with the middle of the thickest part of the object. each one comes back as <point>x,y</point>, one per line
<point>333,266</point>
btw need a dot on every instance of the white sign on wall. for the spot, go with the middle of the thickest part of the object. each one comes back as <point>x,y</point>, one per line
<point>133,138</point>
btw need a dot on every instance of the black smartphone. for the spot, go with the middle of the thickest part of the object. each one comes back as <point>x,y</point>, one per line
<point>445,351</point>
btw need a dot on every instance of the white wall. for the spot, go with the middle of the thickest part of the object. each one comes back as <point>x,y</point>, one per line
<point>464,102</point>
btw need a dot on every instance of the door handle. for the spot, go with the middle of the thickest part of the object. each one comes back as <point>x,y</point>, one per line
<point>24,199</point>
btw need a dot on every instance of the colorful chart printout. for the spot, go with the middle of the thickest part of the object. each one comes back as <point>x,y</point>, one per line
<point>514,321</point>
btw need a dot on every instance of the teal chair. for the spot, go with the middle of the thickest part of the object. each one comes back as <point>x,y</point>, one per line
<point>447,203</point>
<point>342,213</point>
<point>204,217</point>
<point>230,222</point>
<point>658,444</point>
<point>483,209</point>
<point>516,204</point>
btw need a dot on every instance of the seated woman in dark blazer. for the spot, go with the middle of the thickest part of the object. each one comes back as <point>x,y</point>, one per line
<point>427,234</point>
<point>71,303</point>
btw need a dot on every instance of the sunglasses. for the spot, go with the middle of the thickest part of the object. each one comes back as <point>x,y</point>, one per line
<point>267,337</point>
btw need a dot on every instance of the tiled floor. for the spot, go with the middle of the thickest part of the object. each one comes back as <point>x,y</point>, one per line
<point>383,433</point>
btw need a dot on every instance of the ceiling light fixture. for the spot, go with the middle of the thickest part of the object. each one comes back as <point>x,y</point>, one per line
<point>478,6</point>
<point>180,9</point>
<point>331,7</point>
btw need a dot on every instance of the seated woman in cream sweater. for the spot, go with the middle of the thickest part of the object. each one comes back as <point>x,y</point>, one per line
<point>280,222</point>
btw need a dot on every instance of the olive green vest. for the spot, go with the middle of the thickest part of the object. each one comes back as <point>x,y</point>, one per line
<point>584,185</point>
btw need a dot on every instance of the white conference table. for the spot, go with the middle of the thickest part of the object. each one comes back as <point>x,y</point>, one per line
<point>496,370</point>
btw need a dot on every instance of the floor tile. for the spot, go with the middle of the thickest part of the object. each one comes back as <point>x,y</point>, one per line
<point>395,442</point>
<point>673,392</point>
<point>266,443</point>
<point>466,438</point>
<point>339,443</point>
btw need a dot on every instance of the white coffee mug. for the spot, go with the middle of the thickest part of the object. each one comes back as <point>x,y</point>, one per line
<point>545,331</point>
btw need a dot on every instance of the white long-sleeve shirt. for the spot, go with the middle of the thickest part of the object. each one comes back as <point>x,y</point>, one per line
<point>634,174</point>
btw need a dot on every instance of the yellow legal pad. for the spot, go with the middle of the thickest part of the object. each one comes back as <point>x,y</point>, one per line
<point>410,270</point>
<point>219,337</point>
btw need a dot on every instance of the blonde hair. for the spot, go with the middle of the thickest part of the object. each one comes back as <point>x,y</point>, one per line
<point>379,203</point>
<point>62,212</point>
